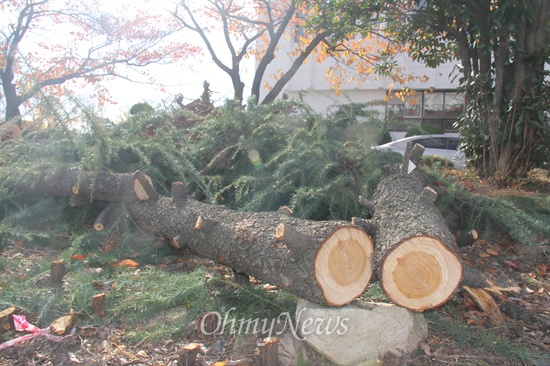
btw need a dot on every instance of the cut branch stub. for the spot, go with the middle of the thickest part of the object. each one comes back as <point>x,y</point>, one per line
<point>143,187</point>
<point>366,204</point>
<point>104,217</point>
<point>406,158</point>
<point>416,154</point>
<point>420,273</point>
<point>344,264</point>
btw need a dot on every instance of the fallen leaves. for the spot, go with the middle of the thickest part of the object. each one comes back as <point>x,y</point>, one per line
<point>128,263</point>
<point>541,268</point>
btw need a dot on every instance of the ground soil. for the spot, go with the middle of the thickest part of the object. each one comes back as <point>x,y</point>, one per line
<point>521,289</point>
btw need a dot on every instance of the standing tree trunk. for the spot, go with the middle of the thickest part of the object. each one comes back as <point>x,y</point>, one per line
<point>13,101</point>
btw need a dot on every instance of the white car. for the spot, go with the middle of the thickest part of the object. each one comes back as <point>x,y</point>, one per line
<point>444,145</point>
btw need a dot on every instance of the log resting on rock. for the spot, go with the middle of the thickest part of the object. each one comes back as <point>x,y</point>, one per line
<point>416,258</point>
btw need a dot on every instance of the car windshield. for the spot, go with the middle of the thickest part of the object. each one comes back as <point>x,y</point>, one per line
<point>442,143</point>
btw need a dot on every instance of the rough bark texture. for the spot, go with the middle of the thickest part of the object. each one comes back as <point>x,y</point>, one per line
<point>57,272</point>
<point>86,186</point>
<point>99,308</point>
<point>326,262</point>
<point>247,242</point>
<point>415,257</point>
<point>6,320</point>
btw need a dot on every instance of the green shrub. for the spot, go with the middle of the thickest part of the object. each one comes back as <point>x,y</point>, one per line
<point>141,107</point>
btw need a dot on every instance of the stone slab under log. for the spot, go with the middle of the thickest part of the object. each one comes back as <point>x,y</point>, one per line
<point>360,333</point>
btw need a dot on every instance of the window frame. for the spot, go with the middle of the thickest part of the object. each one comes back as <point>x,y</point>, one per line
<point>395,103</point>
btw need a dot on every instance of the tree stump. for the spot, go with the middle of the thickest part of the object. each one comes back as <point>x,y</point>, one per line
<point>269,351</point>
<point>98,305</point>
<point>57,272</point>
<point>6,320</point>
<point>188,354</point>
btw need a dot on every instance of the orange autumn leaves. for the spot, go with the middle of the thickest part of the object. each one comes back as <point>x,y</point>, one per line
<point>122,263</point>
<point>45,44</point>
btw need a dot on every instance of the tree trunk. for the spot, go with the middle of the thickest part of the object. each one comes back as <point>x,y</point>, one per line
<point>416,261</point>
<point>328,262</point>
<point>88,186</point>
<point>13,101</point>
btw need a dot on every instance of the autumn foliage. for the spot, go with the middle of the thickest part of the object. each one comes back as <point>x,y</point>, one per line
<point>46,43</point>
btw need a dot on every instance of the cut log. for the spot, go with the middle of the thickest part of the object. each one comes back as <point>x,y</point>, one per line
<point>328,262</point>
<point>89,186</point>
<point>416,258</point>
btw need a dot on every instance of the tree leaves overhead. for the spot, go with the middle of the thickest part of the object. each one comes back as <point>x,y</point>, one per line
<point>44,44</point>
<point>501,48</point>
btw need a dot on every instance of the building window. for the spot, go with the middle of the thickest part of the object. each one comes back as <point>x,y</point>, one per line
<point>408,108</point>
<point>426,105</point>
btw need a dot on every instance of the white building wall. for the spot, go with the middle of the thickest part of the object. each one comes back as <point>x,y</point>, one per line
<point>311,85</point>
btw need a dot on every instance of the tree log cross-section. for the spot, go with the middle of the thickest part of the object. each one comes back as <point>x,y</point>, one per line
<point>328,262</point>
<point>416,258</point>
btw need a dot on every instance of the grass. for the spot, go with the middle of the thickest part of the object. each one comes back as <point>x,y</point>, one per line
<point>153,303</point>
<point>492,341</point>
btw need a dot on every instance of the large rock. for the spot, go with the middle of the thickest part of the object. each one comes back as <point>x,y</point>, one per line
<point>360,333</point>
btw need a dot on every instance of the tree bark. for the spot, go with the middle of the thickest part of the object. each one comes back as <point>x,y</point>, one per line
<point>328,262</point>
<point>57,272</point>
<point>89,186</point>
<point>417,264</point>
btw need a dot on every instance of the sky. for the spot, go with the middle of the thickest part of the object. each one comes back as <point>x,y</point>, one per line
<point>175,79</point>
<point>184,78</point>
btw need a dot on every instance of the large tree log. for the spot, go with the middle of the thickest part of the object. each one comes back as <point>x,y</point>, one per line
<point>416,260</point>
<point>89,186</point>
<point>328,262</point>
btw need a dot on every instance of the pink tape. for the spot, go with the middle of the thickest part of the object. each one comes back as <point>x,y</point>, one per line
<point>21,325</point>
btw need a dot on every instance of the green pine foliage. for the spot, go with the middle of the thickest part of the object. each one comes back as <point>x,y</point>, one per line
<point>299,159</point>
<point>525,219</point>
